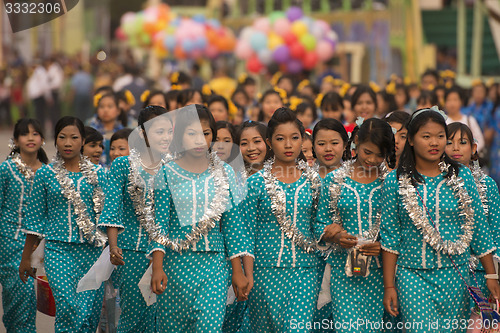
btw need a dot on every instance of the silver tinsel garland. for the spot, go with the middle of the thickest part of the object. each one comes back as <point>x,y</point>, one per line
<point>335,190</point>
<point>479,179</point>
<point>419,217</point>
<point>278,203</point>
<point>208,221</point>
<point>92,234</point>
<point>141,201</point>
<point>25,170</point>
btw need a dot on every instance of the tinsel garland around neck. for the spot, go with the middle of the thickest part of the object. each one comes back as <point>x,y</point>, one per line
<point>278,203</point>
<point>91,233</point>
<point>480,180</point>
<point>208,221</point>
<point>23,168</point>
<point>420,219</point>
<point>335,190</point>
<point>142,195</point>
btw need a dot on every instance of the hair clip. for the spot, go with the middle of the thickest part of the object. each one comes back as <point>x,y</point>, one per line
<point>353,145</point>
<point>12,145</point>
<point>97,99</point>
<point>359,121</point>
<point>394,130</point>
<point>145,95</point>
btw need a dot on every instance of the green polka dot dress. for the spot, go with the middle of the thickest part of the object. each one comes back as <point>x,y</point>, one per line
<point>195,295</point>
<point>18,299</point>
<point>119,212</point>
<point>353,298</point>
<point>286,278</point>
<point>428,286</point>
<point>493,218</point>
<point>68,257</point>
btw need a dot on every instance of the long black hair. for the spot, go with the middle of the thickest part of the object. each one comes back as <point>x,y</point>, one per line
<point>379,133</point>
<point>407,163</point>
<point>333,125</point>
<point>22,127</point>
<point>281,116</point>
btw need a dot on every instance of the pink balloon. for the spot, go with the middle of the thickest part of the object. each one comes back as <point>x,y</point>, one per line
<point>262,24</point>
<point>127,17</point>
<point>282,26</point>
<point>325,50</point>
<point>243,50</point>
<point>211,51</point>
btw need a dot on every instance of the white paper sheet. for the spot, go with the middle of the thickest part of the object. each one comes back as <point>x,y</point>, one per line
<point>38,255</point>
<point>98,273</point>
<point>325,296</point>
<point>231,296</point>
<point>145,286</point>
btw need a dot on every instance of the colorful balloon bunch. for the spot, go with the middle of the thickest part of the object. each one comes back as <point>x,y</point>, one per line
<point>171,35</point>
<point>290,39</point>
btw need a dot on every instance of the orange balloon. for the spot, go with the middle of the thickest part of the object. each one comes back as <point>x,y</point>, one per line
<point>179,53</point>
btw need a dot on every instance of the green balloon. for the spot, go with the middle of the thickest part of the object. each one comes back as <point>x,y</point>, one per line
<point>145,39</point>
<point>276,15</point>
<point>309,42</point>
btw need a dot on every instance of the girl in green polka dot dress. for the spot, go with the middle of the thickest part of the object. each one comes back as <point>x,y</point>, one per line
<point>16,181</point>
<point>351,198</point>
<point>329,146</point>
<point>432,220</point>
<point>281,203</point>
<point>200,224</point>
<point>63,207</point>
<point>128,241</point>
<point>462,148</point>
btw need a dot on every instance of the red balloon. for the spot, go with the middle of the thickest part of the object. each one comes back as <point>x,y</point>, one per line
<point>254,65</point>
<point>120,34</point>
<point>310,60</point>
<point>297,50</point>
<point>290,38</point>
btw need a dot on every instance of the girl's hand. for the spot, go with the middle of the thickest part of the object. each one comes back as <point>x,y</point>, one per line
<point>391,301</point>
<point>116,256</point>
<point>494,288</point>
<point>158,281</point>
<point>240,286</point>
<point>250,283</point>
<point>26,270</point>
<point>347,241</point>
<point>370,249</point>
<point>331,231</point>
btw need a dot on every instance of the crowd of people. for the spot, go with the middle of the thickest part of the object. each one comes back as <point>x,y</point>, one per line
<point>358,207</point>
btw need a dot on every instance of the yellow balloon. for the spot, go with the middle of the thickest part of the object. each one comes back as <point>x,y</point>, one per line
<point>274,41</point>
<point>299,28</point>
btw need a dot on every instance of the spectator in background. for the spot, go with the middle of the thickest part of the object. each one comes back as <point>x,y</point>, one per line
<point>429,79</point>
<point>131,81</point>
<point>38,89</point>
<point>56,80</point>
<point>81,90</point>
<point>196,81</point>
<point>5,92</point>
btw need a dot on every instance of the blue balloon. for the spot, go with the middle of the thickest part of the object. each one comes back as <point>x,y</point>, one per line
<point>199,18</point>
<point>169,42</point>
<point>176,22</point>
<point>214,23</point>
<point>200,43</point>
<point>258,40</point>
<point>187,45</point>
